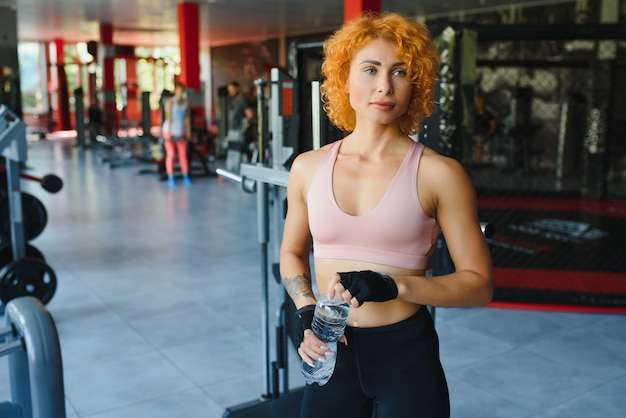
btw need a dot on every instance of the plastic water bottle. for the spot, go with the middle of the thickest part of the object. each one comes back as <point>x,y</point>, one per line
<point>329,322</point>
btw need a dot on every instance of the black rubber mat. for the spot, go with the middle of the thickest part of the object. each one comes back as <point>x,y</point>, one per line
<point>562,251</point>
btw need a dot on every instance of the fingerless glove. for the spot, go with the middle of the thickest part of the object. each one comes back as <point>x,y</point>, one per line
<point>369,286</point>
<point>305,319</point>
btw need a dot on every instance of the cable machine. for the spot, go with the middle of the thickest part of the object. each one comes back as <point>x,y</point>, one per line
<point>268,179</point>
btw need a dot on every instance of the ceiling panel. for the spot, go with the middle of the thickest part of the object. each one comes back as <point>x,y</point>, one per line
<point>222,22</point>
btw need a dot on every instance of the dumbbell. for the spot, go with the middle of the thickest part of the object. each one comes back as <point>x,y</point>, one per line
<point>50,182</point>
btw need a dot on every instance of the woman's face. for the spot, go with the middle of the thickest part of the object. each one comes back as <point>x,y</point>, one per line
<point>377,84</point>
<point>232,89</point>
<point>179,91</point>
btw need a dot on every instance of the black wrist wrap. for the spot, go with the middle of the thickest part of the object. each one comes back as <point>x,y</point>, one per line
<point>305,319</point>
<point>369,286</point>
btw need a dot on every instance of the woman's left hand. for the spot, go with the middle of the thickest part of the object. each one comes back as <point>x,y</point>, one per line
<point>336,289</point>
<point>356,287</point>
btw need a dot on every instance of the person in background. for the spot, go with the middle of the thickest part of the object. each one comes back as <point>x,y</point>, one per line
<point>373,204</point>
<point>485,126</point>
<point>176,132</point>
<point>250,129</point>
<point>95,116</point>
<point>236,111</point>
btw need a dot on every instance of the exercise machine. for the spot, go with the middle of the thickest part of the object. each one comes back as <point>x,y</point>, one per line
<point>31,342</point>
<point>268,179</point>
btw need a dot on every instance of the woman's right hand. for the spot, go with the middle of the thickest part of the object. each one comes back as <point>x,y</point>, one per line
<point>312,348</point>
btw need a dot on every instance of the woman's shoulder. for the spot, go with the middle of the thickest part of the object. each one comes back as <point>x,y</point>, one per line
<point>441,174</point>
<point>310,159</point>
<point>306,163</point>
<point>437,162</point>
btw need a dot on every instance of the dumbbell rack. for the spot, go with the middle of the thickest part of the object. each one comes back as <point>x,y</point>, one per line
<point>25,275</point>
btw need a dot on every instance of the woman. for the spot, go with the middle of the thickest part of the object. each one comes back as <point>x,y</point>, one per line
<point>176,131</point>
<point>373,204</point>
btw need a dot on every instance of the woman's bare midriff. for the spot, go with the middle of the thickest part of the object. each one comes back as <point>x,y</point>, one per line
<point>370,314</point>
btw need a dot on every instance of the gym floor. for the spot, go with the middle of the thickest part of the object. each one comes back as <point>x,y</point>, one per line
<point>159,304</point>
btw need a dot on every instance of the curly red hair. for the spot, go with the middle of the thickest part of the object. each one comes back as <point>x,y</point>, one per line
<point>414,46</point>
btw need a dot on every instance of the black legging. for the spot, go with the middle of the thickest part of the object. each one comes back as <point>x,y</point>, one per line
<point>392,371</point>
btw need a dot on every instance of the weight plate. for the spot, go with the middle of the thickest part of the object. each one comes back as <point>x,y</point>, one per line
<point>6,254</point>
<point>27,277</point>
<point>35,218</point>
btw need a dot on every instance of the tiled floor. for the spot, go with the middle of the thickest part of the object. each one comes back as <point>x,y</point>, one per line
<point>159,309</point>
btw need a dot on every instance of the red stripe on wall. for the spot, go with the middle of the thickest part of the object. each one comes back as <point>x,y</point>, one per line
<point>560,280</point>
<point>598,207</point>
<point>556,308</point>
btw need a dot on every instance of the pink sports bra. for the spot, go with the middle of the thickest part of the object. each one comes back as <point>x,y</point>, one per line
<point>396,232</point>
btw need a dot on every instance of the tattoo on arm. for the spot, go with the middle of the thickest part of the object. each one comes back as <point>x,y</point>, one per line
<point>298,286</point>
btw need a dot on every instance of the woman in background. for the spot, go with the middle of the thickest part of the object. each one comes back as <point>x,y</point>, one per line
<point>176,132</point>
